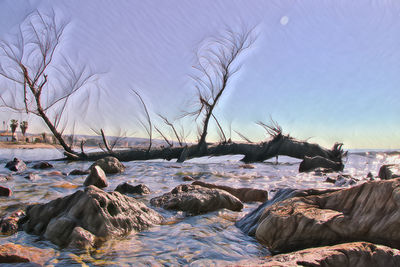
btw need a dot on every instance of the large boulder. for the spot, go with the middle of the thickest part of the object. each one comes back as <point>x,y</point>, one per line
<point>368,212</point>
<point>196,199</point>
<point>16,165</point>
<point>96,177</point>
<point>356,254</point>
<point>109,165</point>
<point>101,214</point>
<point>139,189</point>
<point>244,194</point>
<point>14,253</point>
<point>312,163</point>
<point>389,171</point>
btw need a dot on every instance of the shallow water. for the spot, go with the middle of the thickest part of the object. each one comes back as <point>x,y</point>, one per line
<point>204,240</point>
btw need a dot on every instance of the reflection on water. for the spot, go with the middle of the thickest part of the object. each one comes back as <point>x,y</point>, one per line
<point>209,239</point>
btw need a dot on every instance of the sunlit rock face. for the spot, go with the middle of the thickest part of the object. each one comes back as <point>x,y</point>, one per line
<point>14,253</point>
<point>196,199</point>
<point>368,212</point>
<point>96,177</point>
<point>110,165</point>
<point>356,254</point>
<point>98,213</point>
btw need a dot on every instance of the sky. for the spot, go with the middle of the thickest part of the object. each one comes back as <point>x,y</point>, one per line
<point>326,71</point>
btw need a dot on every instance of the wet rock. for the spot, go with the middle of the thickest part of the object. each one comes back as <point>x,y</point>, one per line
<point>81,239</point>
<point>187,178</point>
<point>32,177</point>
<point>309,164</point>
<point>110,165</point>
<point>331,180</point>
<point>102,214</point>
<point>247,166</point>
<point>13,253</point>
<point>370,176</point>
<point>126,188</point>
<point>97,177</point>
<point>389,171</point>
<point>196,199</point>
<point>367,212</point>
<point>79,172</point>
<point>5,177</point>
<point>16,165</point>
<point>9,224</point>
<point>356,254</point>
<point>344,181</point>
<point>42,165</point>
<point>244,194</point>
<point>251,221</point>
<point>5,192</point>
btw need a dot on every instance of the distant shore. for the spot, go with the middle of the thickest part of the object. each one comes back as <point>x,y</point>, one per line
<point>22,145</point>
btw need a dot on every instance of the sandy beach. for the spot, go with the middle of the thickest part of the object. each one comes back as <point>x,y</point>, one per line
<point>20,145</point>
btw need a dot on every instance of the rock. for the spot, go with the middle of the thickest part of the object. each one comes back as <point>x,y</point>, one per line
<point>13,253</point>
<point>330,180</point>
<point>247,166</point>
<point>97,177</point>
<point>42,165</point>
<point>9,224</point>
<point>389,171</point>
<point>102,214</point>
<point>5,177</point>
<point>79,172</point>
<point>344,181</point>
<point>370,176</point>
<point>187,178</point>
<point>250,222</point>
<point>309,164</point>
<point>356,254</point>
<point>109,165</point>
<point>5,192</point>
<point>55,173</point>
<point>16,165</point>
<point>196,199</point>
<point>126,188</point>
<point>32,177</point>
<point>244,194</point>
<point>81,239</point>
<point>367,212</point>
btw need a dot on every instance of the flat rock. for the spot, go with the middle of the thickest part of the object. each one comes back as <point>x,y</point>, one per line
<point>196,199</point>
<point>244,194</point>
<point>110,165</point>
<point>5,192</point>
<point>139,189</point>
<point>16,165</point>
<point>389,171</point>
<point>104,215</point>
<point>96,177</point>
<point>14,253</point>
<point>356,254</point>
<point>42,165</point>
<point>367,212</point>
<point>79,172</point>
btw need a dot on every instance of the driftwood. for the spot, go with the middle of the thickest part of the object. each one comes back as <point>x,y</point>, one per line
<point>280,145</point>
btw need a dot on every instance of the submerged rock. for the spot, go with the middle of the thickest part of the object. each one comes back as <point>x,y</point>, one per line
<point>32,177</point>
<point>389,171</point>
<point>101,214</point>
<point>110,165</point>
<point>97,177</point>
<point>79,172</point>
<point>16,165</point>
<point>356,254</point>
<point>42,165</point>
<point>126,188</point>
<point>13,253</point>
<point>5,192</point>
<point>9,224</point>
<point>312,163</point>
<point>244,194</point>
<point>367,212</point>
<point>196,199</point>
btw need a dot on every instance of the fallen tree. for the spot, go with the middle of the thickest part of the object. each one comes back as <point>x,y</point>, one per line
<point>279,145</point>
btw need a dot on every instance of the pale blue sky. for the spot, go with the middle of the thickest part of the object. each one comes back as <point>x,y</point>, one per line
<point>329,70</point>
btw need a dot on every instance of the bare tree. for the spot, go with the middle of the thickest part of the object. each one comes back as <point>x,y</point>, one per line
<point>170,124</point>
<point>26,62</point>
<point>147,126</point>
<point>216,63</point>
